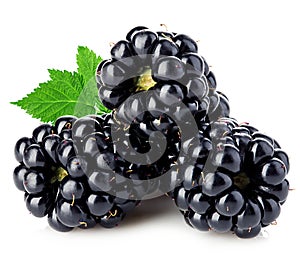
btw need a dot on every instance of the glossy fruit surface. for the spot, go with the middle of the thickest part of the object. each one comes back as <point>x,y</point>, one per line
<point>55,173</point>
<point>240,185</point>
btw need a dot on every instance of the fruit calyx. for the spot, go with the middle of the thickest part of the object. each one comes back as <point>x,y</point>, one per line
<point>241,180</point>
<point>145,81</point>
<point>59,174</point>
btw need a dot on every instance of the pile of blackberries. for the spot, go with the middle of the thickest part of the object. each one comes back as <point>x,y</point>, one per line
<point>169,132</point>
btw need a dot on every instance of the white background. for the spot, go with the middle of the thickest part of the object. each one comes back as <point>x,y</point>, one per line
<point>253,47</point>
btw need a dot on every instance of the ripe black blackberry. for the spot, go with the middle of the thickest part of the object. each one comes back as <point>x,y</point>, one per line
<point>54,174</point>
<point>154,78</point>
<point>240,187</point>
<point>160,61</point>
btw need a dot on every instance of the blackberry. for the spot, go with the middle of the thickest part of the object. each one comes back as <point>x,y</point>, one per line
<point>239,186</point>
<point>58,175</point>
<point>137,158</point>
<point>155,76</point>
<point>148,60</point>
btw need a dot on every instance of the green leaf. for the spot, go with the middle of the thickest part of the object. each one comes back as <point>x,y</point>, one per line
<point>89,96</point>
<point>66,93</point>
<point>87,62</point>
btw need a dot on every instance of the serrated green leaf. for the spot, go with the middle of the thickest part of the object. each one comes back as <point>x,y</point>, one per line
<point>67,93</point>
<point>87,62</point>
<point>54,98</point>
<point>89,96</point>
